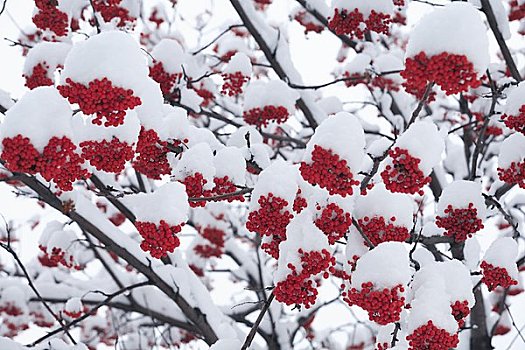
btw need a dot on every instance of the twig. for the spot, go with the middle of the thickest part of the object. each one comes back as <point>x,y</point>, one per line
<point>255,326</point>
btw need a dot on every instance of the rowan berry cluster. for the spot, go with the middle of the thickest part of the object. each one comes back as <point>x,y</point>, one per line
<point>514,174</point>
<point>494,276</point>
<point>403,174</point>
<point>299,288</point>
<point>460,223</point>
<point>109,156</point>
<point>460,311</point>
<point>271,219</point>
<point>453,73</point>
<point>333,221</point>
<point>215,245</point>
<point>151,155</point>
<point>299,202</point>
<point>516,122</point>
<point>110,9</point>
<point>195,188</point>
<point>159,239</point>
<point>517,11</point>
<point>38,77</point>
<point>233,83</point>
<point>155,18</point>
<point>354,79</point>
<point>354,23</point>
<point>166,80</point>
<point>383,305</point>
<point>430,337</point>
<point>224,186</point>
<point>101,98</point>
<point>263,116</point>
<point>206,95</point>
<point>305,19</point>
<point>56,256</point>
<point>49,17</point>
<point>329,171</point>
<point>378,230</point>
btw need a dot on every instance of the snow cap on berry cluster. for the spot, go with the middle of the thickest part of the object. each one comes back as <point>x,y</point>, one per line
<point>365,7</point>
<point>512,150</point>
<point>515,99</point>
<point>503,253</point>
<point>344,136</point>
<point>52,53</point>
<point>170,54</point>
<point>454,277</point>
<point>73,305</point>
<point>455,28</point>
<point>386,266</point>
<point>169,202</point>
<point>39,115</point>
<point>197,159</point>
<point>360,64</point>
<point>459,194</point>
<point>229,161</point>
<point>423,141</point>
<point>272,93</point>
<point>85,130</point>
<point>301,233</point>
<point>239,62</point>
<point>381,202</point>
<point>280,179</point>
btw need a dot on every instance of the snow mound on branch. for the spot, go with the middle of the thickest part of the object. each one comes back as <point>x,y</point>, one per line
<point>381,202</point>
<point>244,134</point>
<point>39,115</point>
<point>171,54</point>
<point>455,28</point>
<point>229,161</point>
<point>422,140</point>
<point>198,159</point>
<point>365,7</point>
<point>169,203</point>
<point>515,100</point>
<point>512,150</point>
<point>430,229</point>
<point>386,266</point>
<point>359,64</point>
<point>344,135</point>
<point>85,130</point>
<point>239,62</point>
<point>459,194</point>
<point>272,93</point>
<point>503,253</point>
<point>53,53</point>
<point>280,178</point>
<point>301,233</point>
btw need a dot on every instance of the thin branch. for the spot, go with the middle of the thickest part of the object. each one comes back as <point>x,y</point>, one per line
<point>255,326</point>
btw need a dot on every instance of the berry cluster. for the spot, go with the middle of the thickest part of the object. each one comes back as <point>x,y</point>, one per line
<point>109,156</point>
<point>430,337</point>
<point>453,73</point>
<point>354,79</point>
<point>494,276</point>
<point>329,171</point>
<point>155,18</point>
<point>270,220</point>
<point>206,95</point>
<point>10,309</point>
<point>56,256</point>
<point>517,11</point>
<point>404,175</point>
<point>299,202</point>
<point>492,130</point>
<point>215,247</point>
<point>38,77</point>
<point>151,158</point>
<point>159,239</point>
<point>516,122</point>
<point>100,97</point>
<point>58,162</point>
<point>305,19</point>
<point>262,117</point>
<point>460,311</point>
<point>298,288</point>
<point>262,4</point>
<point>460,223</point>
<point>354,23</point>
<point>195,188</point>
<point>110,9</point>
<point>233,83</point>
<point>225,186</point>
<point>49,17</point>
<point>166,80</point>
<point>378,231</point>
<point>385,84</point>
<point>383,306</point>
<point>334,222</point>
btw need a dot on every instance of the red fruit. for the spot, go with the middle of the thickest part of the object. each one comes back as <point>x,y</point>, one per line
<point>159,239</point>
<point>460,223</point>
<point>404,174</point>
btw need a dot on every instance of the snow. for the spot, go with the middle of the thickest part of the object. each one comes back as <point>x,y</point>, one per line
<point>52,53</point>
<point>360,64</point>
<point>381,202</point>
<point>197,159</point>
<point>169,202</point>
<point>456,28</point>
<point>171,54</point>
<point>344,135</point>
<point>190,99</point>
<point>230,162</point>
<point>39,115</point>
<point>503,252</point>
<point>501,16</point>
<point>430,229</point>
<point>472,253</point>
<point>226,344</point>
<point>259,94</point>
<point>515,99</point>
<point>85,130</point>
<point>73,305</point>
<point>512,150</point>
<point>239,137</point>
<point>239,62</point>
<point>423,141</point>
<point>365,7</point>
<point>459,194</point>
<point>386,266</point>
<point>280,180</point>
